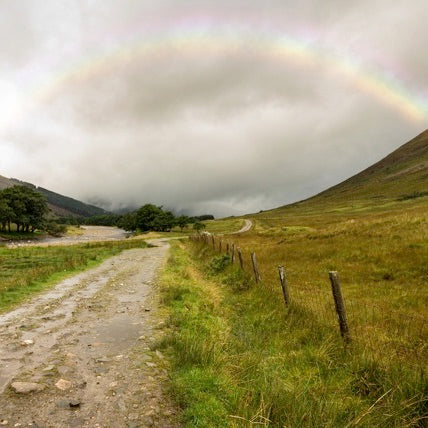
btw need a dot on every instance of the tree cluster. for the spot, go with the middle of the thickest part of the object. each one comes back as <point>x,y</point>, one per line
<point>24,207</point>
<point>148,217</point>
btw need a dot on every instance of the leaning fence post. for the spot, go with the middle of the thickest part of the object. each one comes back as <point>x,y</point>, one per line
<point>255,267</point>
<point>340,305</point>
<point>241,260</point>
<point>284,284</point>
<point>233,253</point>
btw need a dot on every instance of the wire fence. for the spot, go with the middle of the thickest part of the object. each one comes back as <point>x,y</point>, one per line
<point>387,333</point>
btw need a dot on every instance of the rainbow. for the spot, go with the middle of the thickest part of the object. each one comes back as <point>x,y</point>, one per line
<point>220,39</point>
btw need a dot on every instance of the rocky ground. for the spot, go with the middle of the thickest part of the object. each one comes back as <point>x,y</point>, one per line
<point>84,354</point>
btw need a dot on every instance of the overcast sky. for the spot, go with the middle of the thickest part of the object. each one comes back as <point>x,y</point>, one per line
<point>223,107</point>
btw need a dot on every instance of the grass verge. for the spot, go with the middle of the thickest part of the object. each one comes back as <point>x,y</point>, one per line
<point>241,359</point>
<point>28,270</point>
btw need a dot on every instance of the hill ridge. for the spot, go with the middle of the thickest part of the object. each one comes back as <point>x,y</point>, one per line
<point>61,205</point>
<point>403,171</point>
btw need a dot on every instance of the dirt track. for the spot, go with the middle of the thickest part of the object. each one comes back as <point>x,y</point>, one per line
<point>245,228</point>
<point>89,343</point>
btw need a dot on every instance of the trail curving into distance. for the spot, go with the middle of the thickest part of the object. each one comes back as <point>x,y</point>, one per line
<point>245,228</point>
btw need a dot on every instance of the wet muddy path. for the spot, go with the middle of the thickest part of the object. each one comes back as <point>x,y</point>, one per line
<point>86,350</point>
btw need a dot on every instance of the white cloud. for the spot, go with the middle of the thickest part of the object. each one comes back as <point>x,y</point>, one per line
<point>212,130</point>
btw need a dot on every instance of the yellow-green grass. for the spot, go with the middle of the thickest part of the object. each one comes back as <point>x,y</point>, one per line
<point>240,358</point>
<point>290,362</point>
<point>28,270</point>
<point>382,260</point>
<point>74,231</point>
<point>223,226</point>
<point>219,227</point>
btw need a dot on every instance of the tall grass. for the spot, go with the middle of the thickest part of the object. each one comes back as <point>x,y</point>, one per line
<point>382,262</point>
<point>268,365</point>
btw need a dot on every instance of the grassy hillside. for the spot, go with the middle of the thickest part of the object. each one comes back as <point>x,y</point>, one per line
<point>403,173</point>
<point>59,204</point>
<point>398,177</point>
<point>258,362</point>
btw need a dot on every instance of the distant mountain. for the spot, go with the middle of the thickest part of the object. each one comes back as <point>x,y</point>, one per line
<point>59,204</point>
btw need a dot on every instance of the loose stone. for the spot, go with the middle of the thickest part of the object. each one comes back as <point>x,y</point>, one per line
<point>26,387</point>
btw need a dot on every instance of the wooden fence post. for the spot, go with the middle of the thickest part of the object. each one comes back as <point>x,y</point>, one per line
<point>227,247</point>
<point>212,237</point>
<point>255,267</point>
<point>233,253</point>
<point>340,305</point>
<point>219,245</point>
<point>241,260</point>
<point>284,284</point>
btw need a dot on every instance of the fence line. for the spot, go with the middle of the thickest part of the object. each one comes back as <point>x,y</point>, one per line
<point>378,332</point>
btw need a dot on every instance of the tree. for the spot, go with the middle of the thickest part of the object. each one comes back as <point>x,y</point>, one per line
<point>146,216</point>
<point>163,222</point>
<point>198,226</point>
<point>128,221</point>
<point>6,213</point>
<point>182,222</point>
<point>23,206</point>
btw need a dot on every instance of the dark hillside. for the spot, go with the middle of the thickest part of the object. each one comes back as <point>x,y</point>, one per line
<point>59,204</point>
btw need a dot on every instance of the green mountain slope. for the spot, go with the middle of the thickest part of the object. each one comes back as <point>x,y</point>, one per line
<point>402,173</point>
<point>401,176</point>
<point>59,204</point>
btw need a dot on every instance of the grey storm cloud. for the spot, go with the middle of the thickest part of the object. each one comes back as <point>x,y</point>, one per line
<point>225,131</point>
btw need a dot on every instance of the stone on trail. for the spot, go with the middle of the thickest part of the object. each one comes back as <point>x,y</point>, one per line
<point>74,403</point>
<point>26,387</point>
<point>48,368</point>
<point>63,384</point>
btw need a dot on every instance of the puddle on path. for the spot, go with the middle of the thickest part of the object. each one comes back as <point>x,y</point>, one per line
<point>117,335</point>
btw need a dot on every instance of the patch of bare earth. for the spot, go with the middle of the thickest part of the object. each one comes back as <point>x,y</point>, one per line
<point>83,352</point>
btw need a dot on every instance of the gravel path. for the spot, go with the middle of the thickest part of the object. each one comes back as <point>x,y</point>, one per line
<point>245,228</point>
<point>89,346</point>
